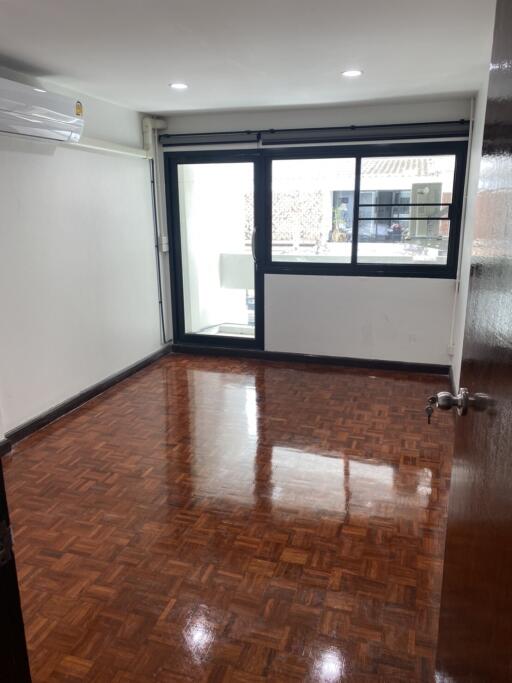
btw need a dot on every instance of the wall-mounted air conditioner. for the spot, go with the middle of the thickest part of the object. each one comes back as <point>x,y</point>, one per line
<point>27,110</point>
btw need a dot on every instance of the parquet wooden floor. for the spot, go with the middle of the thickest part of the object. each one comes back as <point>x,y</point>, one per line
<point>235,520</point>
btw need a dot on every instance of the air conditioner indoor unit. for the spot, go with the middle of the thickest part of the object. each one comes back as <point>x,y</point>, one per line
<point>27,110</point>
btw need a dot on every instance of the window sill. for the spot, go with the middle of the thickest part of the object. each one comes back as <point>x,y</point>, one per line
<point>362,270</point>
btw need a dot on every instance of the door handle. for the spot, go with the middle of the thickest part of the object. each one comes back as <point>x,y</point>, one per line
<point>463,401</point>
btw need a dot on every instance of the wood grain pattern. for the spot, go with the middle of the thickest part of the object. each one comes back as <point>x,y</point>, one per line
<point>212,519</point>
<point>475,634</point>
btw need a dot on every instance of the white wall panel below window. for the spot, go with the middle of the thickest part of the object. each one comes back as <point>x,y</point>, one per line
<point>399,319</point>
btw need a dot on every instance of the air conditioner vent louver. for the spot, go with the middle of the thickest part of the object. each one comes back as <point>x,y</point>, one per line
<point>29,111</point>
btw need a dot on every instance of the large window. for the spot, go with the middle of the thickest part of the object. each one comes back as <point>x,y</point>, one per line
<point>377,210</point>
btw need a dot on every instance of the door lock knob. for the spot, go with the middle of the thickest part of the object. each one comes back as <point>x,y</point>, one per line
<point>462,401</point>
<point>446,401</point>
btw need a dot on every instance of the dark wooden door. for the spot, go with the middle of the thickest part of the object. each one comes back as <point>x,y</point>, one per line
<point>475,630</point>
<point>14,666</point>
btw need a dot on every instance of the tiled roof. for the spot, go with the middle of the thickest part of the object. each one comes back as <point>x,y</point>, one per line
<point>406,166</point>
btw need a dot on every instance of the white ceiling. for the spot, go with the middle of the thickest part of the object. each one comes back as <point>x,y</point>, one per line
<point>239,53</point>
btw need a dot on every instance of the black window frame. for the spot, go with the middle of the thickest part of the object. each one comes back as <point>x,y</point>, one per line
<point>262,158</point>
<point>172,161</point>
<point>448,270</point>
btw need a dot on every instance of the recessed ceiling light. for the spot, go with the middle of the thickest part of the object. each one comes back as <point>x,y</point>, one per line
<point>352,73</point>
<point>39,90</point>
<point>179,86</point>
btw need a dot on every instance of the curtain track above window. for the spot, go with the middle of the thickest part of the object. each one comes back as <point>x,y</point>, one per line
<point>406,131</point>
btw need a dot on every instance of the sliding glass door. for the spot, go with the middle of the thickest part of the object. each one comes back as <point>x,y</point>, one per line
<point>214,227</point>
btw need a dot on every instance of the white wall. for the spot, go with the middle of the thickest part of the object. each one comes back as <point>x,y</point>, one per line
<point>78,288</point>
<point>466,247</point>
<point>400,319</point>
<point>106,121</point>
<point>397,111</point>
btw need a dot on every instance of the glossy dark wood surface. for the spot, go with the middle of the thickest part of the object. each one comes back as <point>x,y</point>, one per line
<point>475,639</point>
<point>212,519</point>
<point>14,666</point>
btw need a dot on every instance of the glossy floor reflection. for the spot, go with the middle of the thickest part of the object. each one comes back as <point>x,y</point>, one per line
<point>233,520</point>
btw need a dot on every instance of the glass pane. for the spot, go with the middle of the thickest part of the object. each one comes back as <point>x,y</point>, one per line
<point>391,242</point>
<point>404,212</point>
<point>407,180</point>
<point>408,222</point>
<point>216,204</point>
<point>312,210</point>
